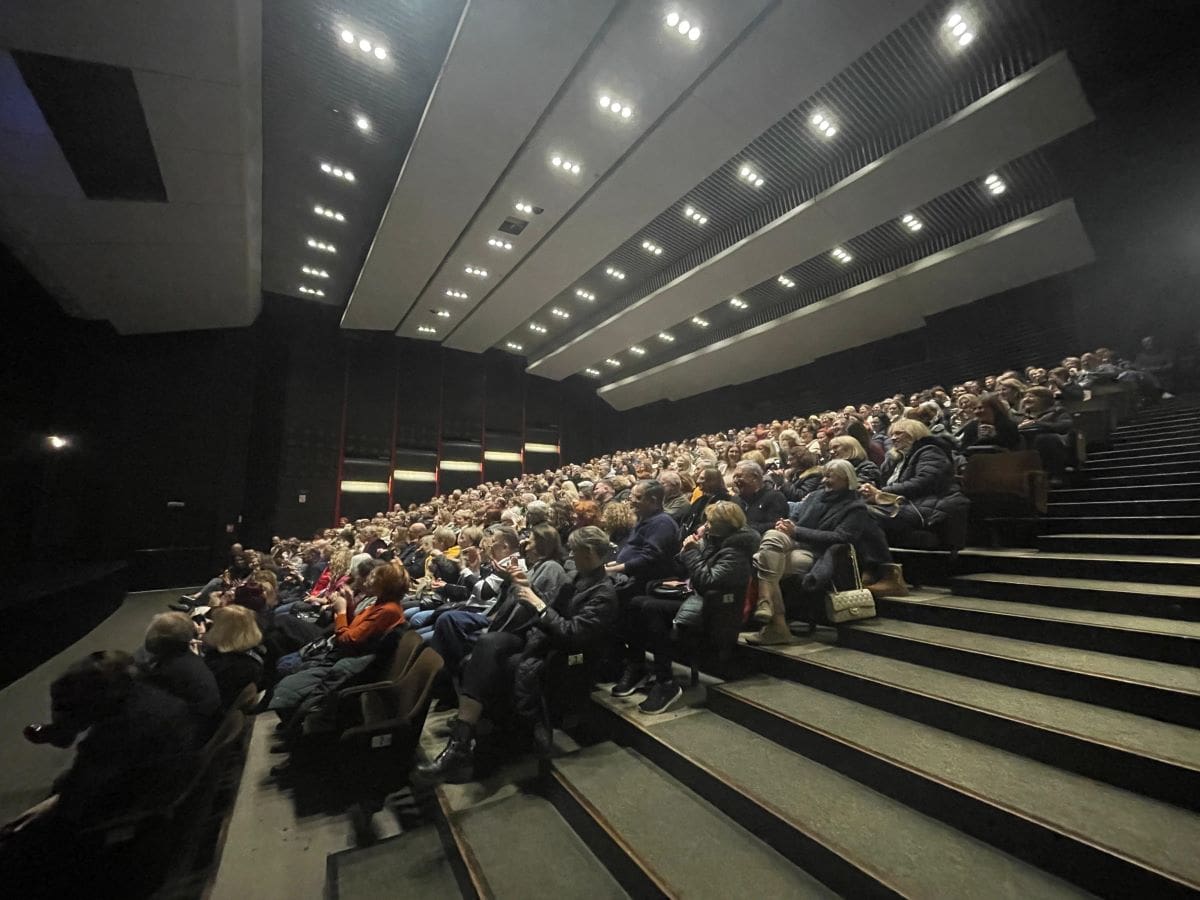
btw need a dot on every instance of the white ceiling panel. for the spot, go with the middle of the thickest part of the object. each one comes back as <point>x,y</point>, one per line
<point>507,62</point>
<point>1032,110</point>
<point>637,60</point>
<point>1042,244</point>
<point>794,49</point>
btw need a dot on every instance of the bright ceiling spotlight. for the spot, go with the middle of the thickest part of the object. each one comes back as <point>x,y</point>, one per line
<point>695,215</point>
<point>958,30</point>
<point>522,207</point>
<point>499,244</point>
<point>637,351</point>
<point>786,282</point>
<point>326,168</point>
<point>442,313</point>
<point>666,337</point>
<point>672,19</point>
<point>534,326</point>
<point>364,45</point>
<point>457,295</point>
<point>841,255</point>
<point>752,178</point>
<point>362,123</point>
<point>329,213</point>
<point>585,295</point>
<point>616,107</point>
<point>566,165</point>
<point>699,322</point>
<point>995,184</point>
<point>561,313</point>
<point>612,362</point>
<point>380,53</point>
<point>56,442</point>
<point>347,36</point>
<point>315,292</point>
<point>476,272</point>
<point>911,222</point>
<point>651,247</point>
<point>322,246</point>
<point>595,373</point>
<point>824,124</point>
<point>738,303</point>
<point>513,345</point>
<point>614,273</point>
<point>337,172</point>
<point>426,329</point>
<point>678,23</point>
<point>315,273</point>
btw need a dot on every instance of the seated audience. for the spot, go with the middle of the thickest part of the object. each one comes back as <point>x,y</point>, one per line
<point>991,429</point>
<point>763,505</point>
<point>232,651</point>
<point>851,449</point>
<point>676,503</point>
<point>650,551</point>
<point>168,659</point>
<point>711,490</point>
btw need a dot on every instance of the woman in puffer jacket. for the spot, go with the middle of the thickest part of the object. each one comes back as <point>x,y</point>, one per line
<point>717,560</point>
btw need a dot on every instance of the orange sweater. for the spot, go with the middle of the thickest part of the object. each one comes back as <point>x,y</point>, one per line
<point>368,626</point>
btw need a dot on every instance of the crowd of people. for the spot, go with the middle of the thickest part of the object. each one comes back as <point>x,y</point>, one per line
<point>614,560</point>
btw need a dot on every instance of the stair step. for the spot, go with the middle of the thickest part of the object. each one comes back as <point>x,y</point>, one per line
<point>1162,544</point>
<point>1180,439</point>
<point>1156,524</point>
<point>857,841</point>
<point>1113,467</point>
<point>1147,456</point>
<point>1160,690</point>
<point>1135,432</point>
<point>1125,508</point>
<point>1159,759</point>
<point>413,864</point>
<point>1166,640</point>
<point>1098,836</point>
<point>1097,566</point>
<point>638,811</point>
<point>1161,416</point>
<point>519,846</point>
<point>1143,478</point>
<point>1100,493</point>
<point>1166,601</point>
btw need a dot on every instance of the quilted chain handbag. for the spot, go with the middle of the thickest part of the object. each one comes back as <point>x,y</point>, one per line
<point>847,606</point>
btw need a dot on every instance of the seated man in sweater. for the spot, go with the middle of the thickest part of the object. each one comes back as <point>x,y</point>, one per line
<point>650,552</point>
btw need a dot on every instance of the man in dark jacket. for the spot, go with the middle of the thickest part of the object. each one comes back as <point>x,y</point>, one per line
<point>578,621</point>
<point>719,568</point>
<point>713,487</point>
<point>833,514</point>
<point>649,553</point>
<point>1047,429</point>
<point>763,505</point>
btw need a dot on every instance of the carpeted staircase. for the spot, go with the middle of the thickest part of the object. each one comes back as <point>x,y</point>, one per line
<point>1027,729</point>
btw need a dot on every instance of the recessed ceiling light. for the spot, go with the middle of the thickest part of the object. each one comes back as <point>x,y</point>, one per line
<point>337,171</point>
<point>476,272</point>
<point>457,295</point>
<point>585,295</point>
<point>752,178</point>
<point>824,124</point>
<point>362,123</point>
<point>651,247</point>
<point>322,246</point>
<point>381,53</point>
<point>315,292</point>
<point>513,345</point>
<point>595,373</point>
<point>522,207</point>
<point>684,27</point>
<point>637,351</point>
<point>499,244</point>
<point>534,326</point>
<point>698,321</point>
<point>616,364</point>
<point>561,313</point>
<point>666,337</point>
<point>995,184</point>
<point>672,20</point>
<point>786,282</point>
<point>442,313</point>
<point>738,303</point>
<point>958,30</point>
<point>364,45</point>
<point>911,222</point>
<point>566,165</point>
<point>426,329</point>
<point>695,215</point>
<point>614,273</point>
<point>616,107</point>
<point>347,36</point>
<point>315,273</point>
<point>329,213</point>
<point>841,255</point>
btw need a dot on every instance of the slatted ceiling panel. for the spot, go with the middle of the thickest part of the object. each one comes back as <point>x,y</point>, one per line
<point>313,85</point>
<point>902,87</point>
<point>949,219</point>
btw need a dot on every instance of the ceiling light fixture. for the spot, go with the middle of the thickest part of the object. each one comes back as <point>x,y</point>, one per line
<point>683,26</point>
<point>329,213</point>
<point>614,273</point>
<point>426,329</point>
<point>362,123</point>
<point>315,292</point>
<point>476,272</point>
<point>595,373</point>
<point>651,247</point>
<point>752,178</point>
<point>522,207</point>
<point>824,124</point>
<point>840,255</point>
<point>959,29</point>
<point>698,321</point>
<point>995,184</point>
<point>786,282</point>
<point>616,107</point>
<point>379,51</point>
<point>666,337</point>
<point>616,364</point>
<point>566,165</point>
<point>457,295</point>
<point>337,172</point>
<point>315,273</point>
<point>322,246</point>
<point>499,244</point>
<point>535,327</point>
<point>695,215</point>
<point>637,351</point>
<point>513,345</point>
<point>738,303</point>
<point>561,313</point>
<point>911,222</point>
<point>441,313</point>
<point>347,36</point>
<point>585,295</point>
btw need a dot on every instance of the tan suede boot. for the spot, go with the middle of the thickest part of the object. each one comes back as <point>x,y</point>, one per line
<point>891,584</point>
<point>771,635</point>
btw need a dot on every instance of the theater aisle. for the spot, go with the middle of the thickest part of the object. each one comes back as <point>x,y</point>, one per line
<point>30,769</point>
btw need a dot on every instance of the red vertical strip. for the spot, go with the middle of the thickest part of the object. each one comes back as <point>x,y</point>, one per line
<point>337,496</point>
<point>395,420</point>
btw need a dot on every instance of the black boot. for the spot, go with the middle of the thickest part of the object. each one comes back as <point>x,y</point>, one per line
<point>456,761</point>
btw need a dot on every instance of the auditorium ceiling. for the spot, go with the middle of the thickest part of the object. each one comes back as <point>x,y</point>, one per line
<point>656,196</point>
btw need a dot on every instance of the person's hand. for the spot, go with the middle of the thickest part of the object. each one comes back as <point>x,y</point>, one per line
<point>526,595</point>
<point>435,553</point>
<point>472,557</point>
<point>339,605</point>
<point>437,583</point>
<point>690,541</point>
<point>869,492</point>
<point>787,526</point>
<point>30,815</point>
<point>518,575</point>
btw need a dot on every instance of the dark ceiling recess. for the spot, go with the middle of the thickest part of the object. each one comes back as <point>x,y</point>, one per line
<point>513,225</point>
<point>96,115</point>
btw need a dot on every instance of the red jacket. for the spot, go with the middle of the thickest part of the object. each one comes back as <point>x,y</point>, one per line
<point>368,626</point>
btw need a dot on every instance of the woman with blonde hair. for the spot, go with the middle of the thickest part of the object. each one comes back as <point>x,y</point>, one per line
<point>232,651</point>
<point>850,448</point>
